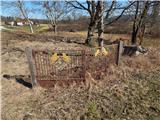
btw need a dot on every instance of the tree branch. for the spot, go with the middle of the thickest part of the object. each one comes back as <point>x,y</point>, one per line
<point>109,10</point>
<point>120,14</point>
<point>74,5</point>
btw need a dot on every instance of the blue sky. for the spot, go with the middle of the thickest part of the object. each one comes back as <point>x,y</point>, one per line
<point>8,11</point>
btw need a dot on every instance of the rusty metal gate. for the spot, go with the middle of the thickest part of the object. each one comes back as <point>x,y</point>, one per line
<point>60,71</point>
<point>68,65</point>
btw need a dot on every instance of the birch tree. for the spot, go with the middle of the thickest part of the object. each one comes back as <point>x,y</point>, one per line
<point>96,10</point>
<point>100,25</point>
<point>18,9</point>
<point>21,6</point>
<point>93,8</point>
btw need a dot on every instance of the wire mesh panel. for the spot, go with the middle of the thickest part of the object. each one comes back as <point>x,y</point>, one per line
<point>59,66</point>
<point>66,66</point>
<point>98,65</point>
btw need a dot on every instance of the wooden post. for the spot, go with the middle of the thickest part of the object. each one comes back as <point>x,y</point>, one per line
<point>119,52</point>
<point>31,65</point>
<point>84,63</point>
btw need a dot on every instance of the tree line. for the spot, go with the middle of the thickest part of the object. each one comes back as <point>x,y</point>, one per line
<point>142,14</point>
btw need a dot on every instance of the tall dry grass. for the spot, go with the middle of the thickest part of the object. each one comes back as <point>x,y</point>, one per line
<point>130,91</point>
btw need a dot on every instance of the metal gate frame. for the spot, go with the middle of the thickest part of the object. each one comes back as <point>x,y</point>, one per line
<point>50,83</point>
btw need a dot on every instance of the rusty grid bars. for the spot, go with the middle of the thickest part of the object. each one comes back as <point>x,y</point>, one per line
<point>47,74</point>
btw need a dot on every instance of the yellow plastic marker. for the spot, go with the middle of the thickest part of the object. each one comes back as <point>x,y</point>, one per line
<point>66,58</point>
<point>104,51</point>
<point>97,53</point>
<point>54,58</point>
<point>101,52</point>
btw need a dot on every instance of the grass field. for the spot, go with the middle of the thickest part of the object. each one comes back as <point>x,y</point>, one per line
<point>130,91</point>
<point>26,28</point>
<point>44,27</point>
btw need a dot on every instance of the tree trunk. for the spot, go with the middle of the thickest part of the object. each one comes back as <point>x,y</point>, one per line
<point>134,29</point>
<point>31,27</point>
<point>134,37</point>
<point>23,11</point>
<point>100,37</point>
<point>55,28</point>
<point>141,40</point>
<point>100,27</point>
<point>155,12</point>
<point>90,34</point>
<point>142,32</point>
<point>139,23</point>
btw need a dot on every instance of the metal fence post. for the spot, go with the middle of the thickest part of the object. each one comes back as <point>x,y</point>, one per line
<point>28,51</point>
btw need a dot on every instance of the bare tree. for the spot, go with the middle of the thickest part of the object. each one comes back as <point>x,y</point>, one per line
<point>21,6</point>
<point>109,16</point>
<point>154,19</point>
<point>92,7</point>
<point>109,10</point>
<point>155,12</point>
<point>18,9</point>
<point>139,23</point>
<point>115,7</point>
<point>54,11</point>
<point>96,11</point>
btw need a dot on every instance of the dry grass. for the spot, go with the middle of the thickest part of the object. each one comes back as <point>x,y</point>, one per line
<point>128,92</point>
<point>83,34</point>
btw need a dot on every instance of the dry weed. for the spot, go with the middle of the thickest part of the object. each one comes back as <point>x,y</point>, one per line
<point>130,91</point>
